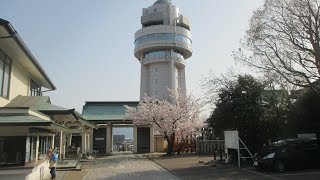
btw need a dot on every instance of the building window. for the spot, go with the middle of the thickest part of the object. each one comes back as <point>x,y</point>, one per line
<point>162,55</point>
<point>162,37</point>
<point>5,73</point>
<point>35,89</point>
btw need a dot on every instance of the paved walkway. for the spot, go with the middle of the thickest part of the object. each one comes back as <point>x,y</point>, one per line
<point>122,167</point>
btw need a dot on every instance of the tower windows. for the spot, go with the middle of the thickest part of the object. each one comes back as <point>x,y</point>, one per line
<point>162,54</point>
<point>162,36</point>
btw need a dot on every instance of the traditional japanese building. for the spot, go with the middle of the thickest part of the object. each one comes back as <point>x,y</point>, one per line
<point>29,123</point>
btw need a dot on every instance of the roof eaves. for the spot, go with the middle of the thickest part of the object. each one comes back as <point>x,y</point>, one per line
<point>14,34</point>
<point>111,102</point>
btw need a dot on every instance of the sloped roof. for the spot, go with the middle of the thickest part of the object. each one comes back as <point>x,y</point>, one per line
<point>43,104</point>
<point>23,119</point>
<point>106,110</point>
<point>39,103</point>
<point>106,117</point>
<point>12,34</point>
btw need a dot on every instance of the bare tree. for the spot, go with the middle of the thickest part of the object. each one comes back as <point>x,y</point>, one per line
<point>284,38</point>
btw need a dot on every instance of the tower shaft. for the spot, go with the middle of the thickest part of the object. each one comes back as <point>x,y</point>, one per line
<point>162,46</point>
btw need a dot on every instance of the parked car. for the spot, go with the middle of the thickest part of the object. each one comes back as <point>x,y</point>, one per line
<point>289,154</point>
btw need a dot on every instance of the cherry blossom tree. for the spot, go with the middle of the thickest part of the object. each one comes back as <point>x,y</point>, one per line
<point>179,114</point>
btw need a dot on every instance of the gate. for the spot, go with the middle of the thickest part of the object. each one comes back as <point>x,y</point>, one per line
<point>99,140</point>
<point>143,141</point>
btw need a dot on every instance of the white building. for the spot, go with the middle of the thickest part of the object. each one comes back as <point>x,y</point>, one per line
<point>162,46</point>
<point>29,123</point>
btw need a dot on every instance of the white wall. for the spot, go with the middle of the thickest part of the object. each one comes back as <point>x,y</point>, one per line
<point>158,80</point>
<point>19,84</point>
<point>26,174</point>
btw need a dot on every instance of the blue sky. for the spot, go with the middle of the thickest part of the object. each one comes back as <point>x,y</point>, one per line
<point>86,47</point>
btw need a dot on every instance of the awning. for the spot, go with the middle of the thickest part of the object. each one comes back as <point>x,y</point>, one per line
<point>30,121</point>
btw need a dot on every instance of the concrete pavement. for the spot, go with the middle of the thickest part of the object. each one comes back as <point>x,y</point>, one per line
<point>122,167</point>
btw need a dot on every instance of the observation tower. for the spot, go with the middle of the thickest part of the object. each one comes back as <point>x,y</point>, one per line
<point>162,46</point>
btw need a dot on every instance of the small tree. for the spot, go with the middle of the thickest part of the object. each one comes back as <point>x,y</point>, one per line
<point>178,114</point>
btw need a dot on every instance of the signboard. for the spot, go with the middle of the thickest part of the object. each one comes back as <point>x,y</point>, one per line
<point>231,139</point>
<point>99,139</point>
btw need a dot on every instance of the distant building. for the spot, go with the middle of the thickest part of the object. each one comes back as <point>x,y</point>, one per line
<point>117,142</point>
<point>118,139</point>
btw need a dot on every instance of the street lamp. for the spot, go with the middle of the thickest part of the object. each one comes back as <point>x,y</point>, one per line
<point>202,131</point>
<point>211,133</point>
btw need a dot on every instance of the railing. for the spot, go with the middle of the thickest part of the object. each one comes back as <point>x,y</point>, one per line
<point>210,146</point>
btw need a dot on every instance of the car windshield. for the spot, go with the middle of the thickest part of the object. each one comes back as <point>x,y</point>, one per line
<point>279,143</point>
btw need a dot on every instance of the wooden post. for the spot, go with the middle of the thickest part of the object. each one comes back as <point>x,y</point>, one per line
<point>52,142</point>
<point>37,149</point>
<point>60,147</point>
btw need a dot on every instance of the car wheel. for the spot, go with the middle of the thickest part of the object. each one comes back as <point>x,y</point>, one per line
<point>279,166</point>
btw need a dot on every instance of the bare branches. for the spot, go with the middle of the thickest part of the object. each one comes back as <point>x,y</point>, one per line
<point>284,38</point>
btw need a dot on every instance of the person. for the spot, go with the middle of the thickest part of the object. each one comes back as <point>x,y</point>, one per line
<point>79,153</point>
<point>53,160</point>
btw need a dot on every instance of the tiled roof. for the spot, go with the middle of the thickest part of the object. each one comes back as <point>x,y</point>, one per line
<point>43,104</point>
<point>22,119</point>
<point>107,111</point>
<point>39,103</point>
<point>110,117</point>
<point>27,120</point>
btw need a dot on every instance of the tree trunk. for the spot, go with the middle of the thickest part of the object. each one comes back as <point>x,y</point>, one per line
<point>170,147</point>
<point>170,141</point>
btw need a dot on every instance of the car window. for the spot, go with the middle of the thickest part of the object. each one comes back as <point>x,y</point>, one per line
<point>279,143</point>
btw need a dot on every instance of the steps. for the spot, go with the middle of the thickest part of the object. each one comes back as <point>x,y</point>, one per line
<point>69,165</point>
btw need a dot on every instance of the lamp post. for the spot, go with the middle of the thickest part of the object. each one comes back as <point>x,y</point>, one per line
<point>202,133</point>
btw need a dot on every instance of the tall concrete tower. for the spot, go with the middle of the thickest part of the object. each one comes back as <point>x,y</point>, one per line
<point>162,46</point>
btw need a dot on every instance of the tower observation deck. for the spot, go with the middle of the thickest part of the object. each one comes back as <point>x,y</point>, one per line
<point>162,46</point>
